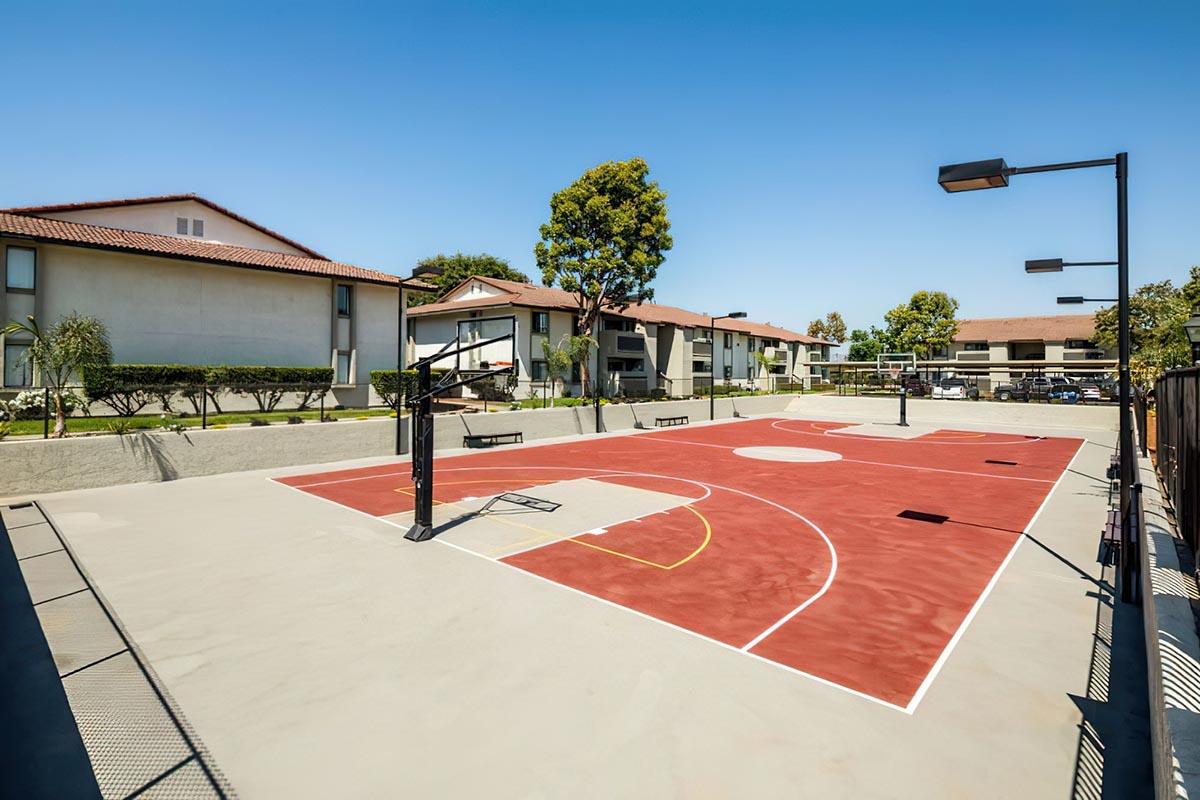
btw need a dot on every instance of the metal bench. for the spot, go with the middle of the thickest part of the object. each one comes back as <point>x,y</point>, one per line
<point>491,439</point>
<point>1110,538</point>
<point>667,422</point>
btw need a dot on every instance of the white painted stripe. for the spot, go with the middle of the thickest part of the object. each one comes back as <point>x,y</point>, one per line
<point>987,590</point>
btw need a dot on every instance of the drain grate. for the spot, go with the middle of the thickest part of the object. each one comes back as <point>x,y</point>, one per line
<point>923,516</point>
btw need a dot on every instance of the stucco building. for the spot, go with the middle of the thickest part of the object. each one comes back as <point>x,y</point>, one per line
<point>178,279</point>
<point>1065,338</point>
<point>642,348</point>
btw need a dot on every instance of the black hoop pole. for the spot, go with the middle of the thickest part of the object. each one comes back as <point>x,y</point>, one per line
<point>422,457</point>
<point>903,407</point>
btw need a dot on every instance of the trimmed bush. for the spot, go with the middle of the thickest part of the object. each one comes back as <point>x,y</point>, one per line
<point>128,388</point>
<point>384,381</point>
<point>267,385</point>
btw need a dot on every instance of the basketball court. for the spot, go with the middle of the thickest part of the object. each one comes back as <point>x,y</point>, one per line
<point>765,536</point>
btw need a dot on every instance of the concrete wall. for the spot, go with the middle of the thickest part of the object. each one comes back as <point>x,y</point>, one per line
<point>1170,594</point>
<point>160,218</point>
<point>948,412</point>
<point>39,466</point>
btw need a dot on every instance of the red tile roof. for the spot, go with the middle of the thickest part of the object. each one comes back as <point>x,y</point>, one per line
<point>1005,329</point>
<point>162,198</point>
<point>78,234</point>
<point>531,295</point>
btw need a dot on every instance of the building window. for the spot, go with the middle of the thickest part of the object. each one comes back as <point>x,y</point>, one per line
<point>631,344</point>
<point>343,368</point>
<point>612,324</point>
<point>701,366</point>
<point>541,322</point>
<point>1080,344</point>
<point>975,347</point>
<point>197,227</point>
<point>181,225</point>
<point>18,372</point>
<point>343,300</point>
<point>729,341</point>
<point>537,370</point>
<point>728,371</point>
<point>22,269</point>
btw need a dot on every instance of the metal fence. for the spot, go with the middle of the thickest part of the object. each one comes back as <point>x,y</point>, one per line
<point>1177,398</point>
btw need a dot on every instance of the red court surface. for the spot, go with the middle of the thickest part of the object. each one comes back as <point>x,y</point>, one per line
<point>804,564</point>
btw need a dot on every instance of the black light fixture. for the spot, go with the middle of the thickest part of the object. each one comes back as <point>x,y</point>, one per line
<point>1044,265</point>
<point>994,173</point>
<point>1057,264</point>
<point>1192,329</point>
<point>712,358</point>
<point>1073,300</point>
<point>990,174</point>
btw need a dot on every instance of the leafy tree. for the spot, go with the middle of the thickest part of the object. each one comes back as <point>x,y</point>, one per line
<point>923,325</point>
<point>558,360</point>
<point>62,351</point>
<point>865,345</point>
<point>1157,340</point>
<point>831,329</point>
<point>607,236</point>
<point>457,268</point>
<point>765,363</point>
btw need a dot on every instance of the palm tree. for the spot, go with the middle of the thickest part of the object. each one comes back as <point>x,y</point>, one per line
<point>61,352</point>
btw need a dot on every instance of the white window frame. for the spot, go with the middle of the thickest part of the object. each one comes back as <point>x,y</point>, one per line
<point>8,270</point>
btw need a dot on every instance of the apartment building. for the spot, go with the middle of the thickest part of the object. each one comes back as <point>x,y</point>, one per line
<point>1065,338</point>
<point>180,279</point>
<point>642,349</point>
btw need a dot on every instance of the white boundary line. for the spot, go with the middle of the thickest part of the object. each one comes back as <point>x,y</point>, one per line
<point>909,709</point>
<point>880,463</point>
<point>914,439</point>
<point>987,590</point>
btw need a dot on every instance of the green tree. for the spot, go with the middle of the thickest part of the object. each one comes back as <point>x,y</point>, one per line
<point>923,325</point>
<point>865,345</point>
<point>831,329</point>
<point>62,352</point>
<point>446,272</point>
<point>558,360</point>
<point>606,238</point>
<point>1157,341</point>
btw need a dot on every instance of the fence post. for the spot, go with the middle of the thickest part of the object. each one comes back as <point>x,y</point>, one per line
<point>321,418</point>
<point>204,407</point>
<point>46,413</point>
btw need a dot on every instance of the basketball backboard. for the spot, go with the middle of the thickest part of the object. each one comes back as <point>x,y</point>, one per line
<point>489,357</point>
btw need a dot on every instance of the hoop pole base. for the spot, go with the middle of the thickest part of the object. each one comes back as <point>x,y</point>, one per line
<point>903,408</point>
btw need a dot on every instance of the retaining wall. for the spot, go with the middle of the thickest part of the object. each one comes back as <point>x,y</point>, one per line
<point>36,466</point>
<point>1170,595</point>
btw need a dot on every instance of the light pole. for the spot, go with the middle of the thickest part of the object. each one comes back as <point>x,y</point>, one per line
<point>1192,329</point>
<point>712,358</point>
<point>993,174</point>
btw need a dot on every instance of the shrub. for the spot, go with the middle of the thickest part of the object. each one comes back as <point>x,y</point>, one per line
<point>128,388</point>
<point>267,385</point>
<point>30,404</point>
<point>384,381</point>
<point>5,429</point>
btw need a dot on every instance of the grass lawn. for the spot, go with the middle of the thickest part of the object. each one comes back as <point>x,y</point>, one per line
<point>27,427</point>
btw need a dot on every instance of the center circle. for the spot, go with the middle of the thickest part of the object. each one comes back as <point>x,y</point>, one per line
<point>798,454</point>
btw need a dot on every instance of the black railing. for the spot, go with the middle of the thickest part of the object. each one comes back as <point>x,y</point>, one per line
<point>1177,398</point>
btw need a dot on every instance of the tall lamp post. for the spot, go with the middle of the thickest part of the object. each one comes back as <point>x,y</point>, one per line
<point>712,359</point>
<point>1192,329</point>
<point>994,174</point>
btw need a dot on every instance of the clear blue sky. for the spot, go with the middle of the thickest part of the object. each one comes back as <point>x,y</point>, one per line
<point>798,145</point>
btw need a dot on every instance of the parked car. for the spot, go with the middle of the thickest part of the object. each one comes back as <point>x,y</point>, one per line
<point>1090,392</point>
<point>1065,392</point>
<point>912,383</point>
<point>1028,389</point>
<point>950,389</point>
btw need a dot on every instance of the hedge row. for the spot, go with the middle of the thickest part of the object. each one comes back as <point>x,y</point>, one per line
<point>128,388</point>
<point>384,381</point>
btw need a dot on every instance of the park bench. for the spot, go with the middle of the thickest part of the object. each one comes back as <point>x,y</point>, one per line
<point>491,439</point>
<point>1110,539</point>
<point>667,422</point>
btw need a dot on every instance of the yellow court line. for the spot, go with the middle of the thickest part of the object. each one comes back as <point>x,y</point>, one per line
<point>680,562</point>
